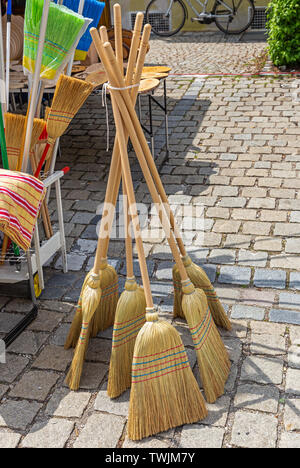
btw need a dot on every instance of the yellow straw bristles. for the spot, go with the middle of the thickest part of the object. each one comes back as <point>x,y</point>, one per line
<point>70,95</point>
<point>212,356</point>
<point>164,391</point>
<point>90,299</point>
<point>106,308</point>
<point>200,280</point>
<point>14,128</point>
<point>130,317</point>
<point>38,127</point>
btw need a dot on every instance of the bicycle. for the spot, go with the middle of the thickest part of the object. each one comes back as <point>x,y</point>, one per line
<point>168,17</point>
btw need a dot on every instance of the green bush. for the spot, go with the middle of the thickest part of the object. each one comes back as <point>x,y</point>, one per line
<point>284,31</point>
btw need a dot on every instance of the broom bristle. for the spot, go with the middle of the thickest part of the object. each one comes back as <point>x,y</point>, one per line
<point>14,128</point>
<point>37,130</point>
<point>63,28</point>
<point>106,309</point>
<point>90,299</point>
<point>212,356</point>
<point>70,95</point>
<point>164,391</point>
<point>75,329</point>
<point>201,281</point>
<point>130,317</point>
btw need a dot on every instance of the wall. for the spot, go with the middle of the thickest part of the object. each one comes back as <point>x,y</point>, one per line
<point>140,5</point>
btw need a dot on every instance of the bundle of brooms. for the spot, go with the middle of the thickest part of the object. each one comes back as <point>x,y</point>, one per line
<point>164,392</point>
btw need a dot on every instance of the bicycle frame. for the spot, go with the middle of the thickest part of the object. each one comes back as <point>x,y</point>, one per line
<point>203,5</point>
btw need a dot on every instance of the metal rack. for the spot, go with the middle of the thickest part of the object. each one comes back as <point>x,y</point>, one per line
<point>28,264</point>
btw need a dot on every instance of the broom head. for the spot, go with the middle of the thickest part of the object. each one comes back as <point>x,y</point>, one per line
<point>200,280</point>
<point>63,29</point>
<point>106,308</point>
<point>164,391</point>
<point>92,9</point>
<point>130,317</point>
<point>14,128</point>
<point>90,299</point>
<point>70,95</point>
<point>212,356</point>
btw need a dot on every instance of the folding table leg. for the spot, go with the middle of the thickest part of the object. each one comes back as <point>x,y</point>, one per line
<point>61,226</point>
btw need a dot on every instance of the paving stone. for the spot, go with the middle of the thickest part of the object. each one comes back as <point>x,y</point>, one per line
<point>18,306</point>
<point>289,301</point>
<point>54,358</point>
<point>268,243</point>
<point>18,414</point>
<point>226,226</point>
<point>294,356</point>
<point>3,390</point>
<point>13,367</point>
<point>91,437</point>
<point>284,316</point>
<point>292,246</point>
<point>293,382</point>
<point>291,415</point>
<point>28,343</point>
<point>9,440</point>
<point>222,256</point>
<point>266,278</point>
<point>227,294</point>
<point>295,280</point>
<point>235,275</point>
<point>75,263</point>
<point>254,430</point>
<point>257,398</point>
<point>248,258</point>
<point>256,227</point>
<point>67,404</point>
<point>237,241</point>
<point>218,412</point>
<point>273,345</point>
<point>118,406</point>
<point>197,436</point>
<point>289,440</point>
<point>291,262</point>
<point>149,442</point>
<point>53,433</point>
<point>34,385</point>
<point>247,312</point>
<point>267,328</point>
<point>262,370</point>
<point>60,336</point>
<point>257,298</point>
<point>46,321</point>
<point>92,375</point>
<point>8,321</point>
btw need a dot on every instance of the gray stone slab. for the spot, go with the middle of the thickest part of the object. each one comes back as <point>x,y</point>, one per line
<point>9,440</point>
<point>198,436</point>
<point>92,437</point>
<point>54,358</point>
<point>293,381</point>
<point>148,443</point>
<point>292,415</point>
<point>295,280</point>
<point>18,414</point>
<point>34,385</point>
<point>289,440</point>
<point>273,345</point>
<point>294,356</point>
<point>53,433</point>
<point>247,312</point>
<point>254,430</point>
<point>118,406</point>
<point>13,367</point>
<point>285,316</point>
<point>265,278</point>
<point>289,301</point>
<point>67,404</point>
<point>28,342</point>
<point>262,370</point>
<point>217,413</point>
<point>234,275</point>
<point>257,397</point>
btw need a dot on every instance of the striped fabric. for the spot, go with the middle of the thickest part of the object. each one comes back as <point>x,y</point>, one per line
<point>156,365</point>
<point>21,196</point>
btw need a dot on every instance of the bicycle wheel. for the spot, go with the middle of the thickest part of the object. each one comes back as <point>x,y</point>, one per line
<point>165,18</point>
<point>238,15</point>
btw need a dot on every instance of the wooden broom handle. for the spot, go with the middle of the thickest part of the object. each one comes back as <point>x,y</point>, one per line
<point>118,35</point>
<point>133,208</point>
<point>119,82</point>
<point>110,64</point>
<point>115,169</point>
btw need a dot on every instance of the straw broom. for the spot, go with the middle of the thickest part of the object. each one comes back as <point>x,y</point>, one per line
<point>130,312</point>
<point>161,397</point>
<point>219,367</point>
<point>195,273</point>
<point>106,309</point>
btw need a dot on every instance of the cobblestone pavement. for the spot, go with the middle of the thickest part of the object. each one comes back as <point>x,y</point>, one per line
<point>234,153</point>
<point>208,52</point>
